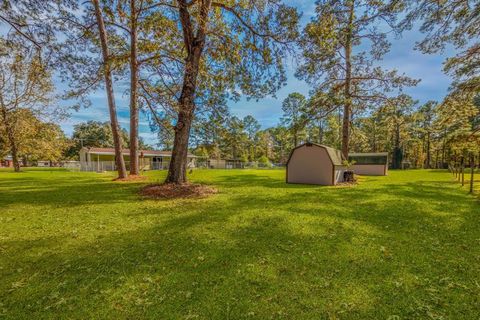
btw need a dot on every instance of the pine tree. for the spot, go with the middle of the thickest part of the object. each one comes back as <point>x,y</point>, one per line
<point>294,117</point>
<point>227,46</point>
<point>335,61</point>
<point>450,22</point>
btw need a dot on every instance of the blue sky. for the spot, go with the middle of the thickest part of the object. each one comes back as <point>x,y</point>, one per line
<point>402,56</point>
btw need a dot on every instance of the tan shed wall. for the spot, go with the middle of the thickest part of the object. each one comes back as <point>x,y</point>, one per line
<point>370,169</point>
<point>310,165</point>
<point>217,164</point>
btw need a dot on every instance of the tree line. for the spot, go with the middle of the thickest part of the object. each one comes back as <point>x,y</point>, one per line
<point>428,135</point>
<point>181,61</point>
<point>415,135</point>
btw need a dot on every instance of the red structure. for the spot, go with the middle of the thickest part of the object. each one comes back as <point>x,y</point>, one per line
<point>6,162</point>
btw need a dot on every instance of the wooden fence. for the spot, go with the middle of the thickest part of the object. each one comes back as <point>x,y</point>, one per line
<point>464,166</point>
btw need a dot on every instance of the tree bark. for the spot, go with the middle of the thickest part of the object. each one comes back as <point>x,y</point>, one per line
<point>444,147</point>
<point>134,169</point>
<point>472,171</point>
<point>11,140</point>
<point>428,160</point>
<point>320,132</point>
<point>347,109</point>
<point>117,139</point>
<point>194,44</point>
<point>397,151</point>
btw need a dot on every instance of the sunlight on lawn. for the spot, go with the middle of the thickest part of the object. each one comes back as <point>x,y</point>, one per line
<point>77,245</point>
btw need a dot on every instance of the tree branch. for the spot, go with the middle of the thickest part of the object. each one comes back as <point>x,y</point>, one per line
<point>17,27</point>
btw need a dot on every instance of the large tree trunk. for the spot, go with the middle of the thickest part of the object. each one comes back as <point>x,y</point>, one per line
<point>134,169</point>
<point>320,132</point>
<point>117,140</point>
<point>14,151</point>
<point>177,172</point>
<point>346,129</point>
<point>11,139</point>
<point>347,109</point>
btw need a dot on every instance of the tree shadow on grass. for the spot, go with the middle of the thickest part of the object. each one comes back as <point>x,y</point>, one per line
<point>171,271</point>
<point>66,191</point>
<point>258,259</point>
<point>407,249</point>
<point>233,181</point>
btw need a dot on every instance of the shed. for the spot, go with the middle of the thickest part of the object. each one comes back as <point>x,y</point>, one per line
<point>370,164</point>
<point>312,163</point>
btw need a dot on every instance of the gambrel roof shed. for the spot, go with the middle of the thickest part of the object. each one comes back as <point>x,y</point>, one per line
<point>312,163</point>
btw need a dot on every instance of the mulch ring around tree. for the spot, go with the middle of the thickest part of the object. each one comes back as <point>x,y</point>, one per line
<point>176,191</point>
<point>132,178</point>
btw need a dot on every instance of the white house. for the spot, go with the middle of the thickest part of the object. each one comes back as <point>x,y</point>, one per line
<point>103,159</point>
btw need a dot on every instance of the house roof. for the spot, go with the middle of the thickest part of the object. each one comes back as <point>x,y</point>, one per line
<point>111,151</point>
<point>334,154</point>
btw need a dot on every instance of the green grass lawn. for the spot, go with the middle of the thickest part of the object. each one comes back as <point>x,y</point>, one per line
<point>79,246</point>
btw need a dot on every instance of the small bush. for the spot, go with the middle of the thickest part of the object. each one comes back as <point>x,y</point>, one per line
<point>263,161</point>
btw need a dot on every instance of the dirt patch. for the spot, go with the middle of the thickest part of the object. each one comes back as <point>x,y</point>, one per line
<point>175,191</point>
<point>132,178</point>
<point>347,184</point>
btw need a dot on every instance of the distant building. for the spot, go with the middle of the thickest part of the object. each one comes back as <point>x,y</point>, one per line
<point>103,159</point>
<point>6,162</point>
<point>216,164</point>
<point>44,163</point>
<point>370,164</point>
<point>225,164</point>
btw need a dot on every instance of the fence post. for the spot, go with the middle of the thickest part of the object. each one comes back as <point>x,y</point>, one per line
<point>459,176</point>
<point>472,171</point>
<point>455,167</point>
